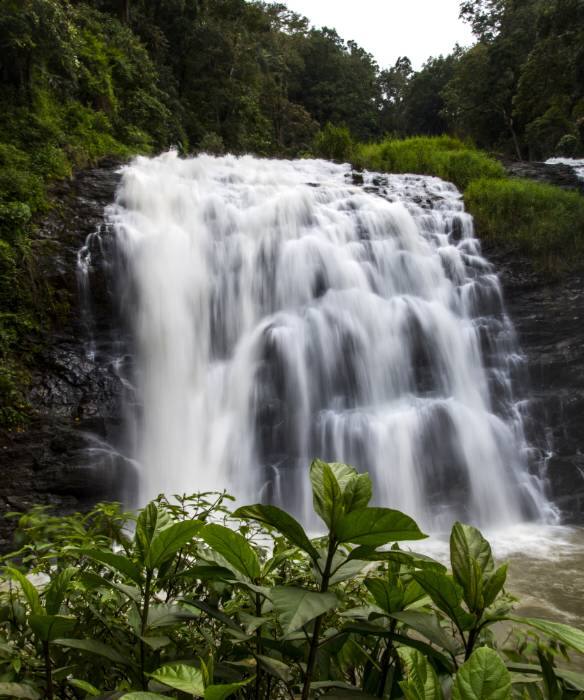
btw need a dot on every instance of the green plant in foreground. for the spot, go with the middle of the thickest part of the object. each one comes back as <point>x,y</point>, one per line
<point>184,605</point>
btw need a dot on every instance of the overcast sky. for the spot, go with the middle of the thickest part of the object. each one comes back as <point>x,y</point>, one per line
<point>391,28</point>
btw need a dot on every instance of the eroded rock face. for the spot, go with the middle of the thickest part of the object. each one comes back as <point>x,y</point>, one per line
<point>549,319</point>
<point>75,395</point>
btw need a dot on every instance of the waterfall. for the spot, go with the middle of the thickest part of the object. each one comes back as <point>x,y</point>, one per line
<point>280,312</point>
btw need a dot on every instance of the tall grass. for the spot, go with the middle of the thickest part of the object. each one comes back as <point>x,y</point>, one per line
<point>542,221</point>
<point>443,156</point>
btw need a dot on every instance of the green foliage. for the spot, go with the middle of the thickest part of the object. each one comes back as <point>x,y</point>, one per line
<point>443,156</point>
<point>542,221</point>
<point>185,605</point>
<point>334,143</point>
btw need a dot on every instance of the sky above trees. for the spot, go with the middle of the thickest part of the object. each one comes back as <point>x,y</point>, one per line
<point>391,28</point>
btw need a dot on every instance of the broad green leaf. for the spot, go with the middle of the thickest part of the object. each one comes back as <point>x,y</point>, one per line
<point>399,556</point>
<point>49,627</point>
<point>570,636</point>
<point>282,522</point>
<point>18,690</point>
<point>275,668</point>
<point>346,570</point>
<point>84,686</point>
<point>187,679</point>
<point>421,680</point>
<point>326,492</point>
<point>30,592</point>
<point>57,589</point>
<point>214,612</point>
<point>482,677</point>
<point>156,642</point>
<point>494,584</point>
<point>377,526</point>
<point>164,614</point>
<point>91,581</point>
<point>167,542</point>
<point>428,625</point>
<point>118,562</point>
<point>143,695</point>
<point>151,521</point>
<point>220,692</point>
<point>357,493</point>
<point>472,560</point>
<point>297,606</point>
<point>389,598</point>
<point>91,646</point>
<point>445,593</point>
<point>234,548</point>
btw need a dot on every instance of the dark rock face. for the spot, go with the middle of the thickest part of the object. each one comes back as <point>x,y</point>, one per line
<point>549,319</point>
<point>557,174</point>
<point>75,396</point>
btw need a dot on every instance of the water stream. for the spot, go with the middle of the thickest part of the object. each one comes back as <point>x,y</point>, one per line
<point>279,311</point>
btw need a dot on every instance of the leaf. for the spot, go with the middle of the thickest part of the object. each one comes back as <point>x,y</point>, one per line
<point>377,526</point>
<point>150,521</point>
<point>445,593</point>
<point>187,679</point>
<point>49,627</point>
<point>84,686</point>
<point>326,491</point>
<point>167,542</point>
<point>398,556</point>
<point>297,606</point>
<point>429,626</point>
<point>494,584</point>
<point>282,522</point>
<point>348,569</point>
<point>388,598</point>
<point>165,614</point>
<point>220,692</point>
<point>275,668</point>
<point>116,562</point>
<point>57,589</point>
<point>214,612</point>
<point>570,636</point>
<point>18,690</point>
<point>234,548</point>
<point>141,695</point>
<point>482,677</point>
<point>421,680</point>
<point>357,493</point>
<point>471,559</point>
<point>30,592</point>
<point>92,646</point>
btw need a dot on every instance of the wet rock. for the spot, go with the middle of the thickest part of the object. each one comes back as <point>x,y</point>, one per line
<point>549,319</point>
<point>552,174</point>
<point>75,396</point>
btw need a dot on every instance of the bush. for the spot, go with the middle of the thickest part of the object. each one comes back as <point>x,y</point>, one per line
<point>442,156</point>
<point>198,600</point>
<point>542,221</point>
<point>334,143</point>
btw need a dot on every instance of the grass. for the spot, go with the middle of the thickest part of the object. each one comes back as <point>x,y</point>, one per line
<point>542,221</point>
<point>443,156</point>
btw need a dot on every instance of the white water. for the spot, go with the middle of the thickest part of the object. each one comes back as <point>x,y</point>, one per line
<point>281,313</point>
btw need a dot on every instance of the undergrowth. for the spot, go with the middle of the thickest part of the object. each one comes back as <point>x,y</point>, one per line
<point>191,599</point>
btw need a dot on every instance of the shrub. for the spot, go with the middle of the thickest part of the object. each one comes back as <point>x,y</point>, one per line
<point>334,143</point>
<point>198,600</point>
<point>542,221</point>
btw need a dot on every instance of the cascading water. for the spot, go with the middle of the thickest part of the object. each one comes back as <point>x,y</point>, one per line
<point>281,312</point>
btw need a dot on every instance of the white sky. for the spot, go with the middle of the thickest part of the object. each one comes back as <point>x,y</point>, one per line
<point>391,28</point>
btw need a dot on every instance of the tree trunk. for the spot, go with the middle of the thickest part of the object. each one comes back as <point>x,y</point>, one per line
<point>125,11</point>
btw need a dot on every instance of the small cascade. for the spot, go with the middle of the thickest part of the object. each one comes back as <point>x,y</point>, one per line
<point>280,312</point>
